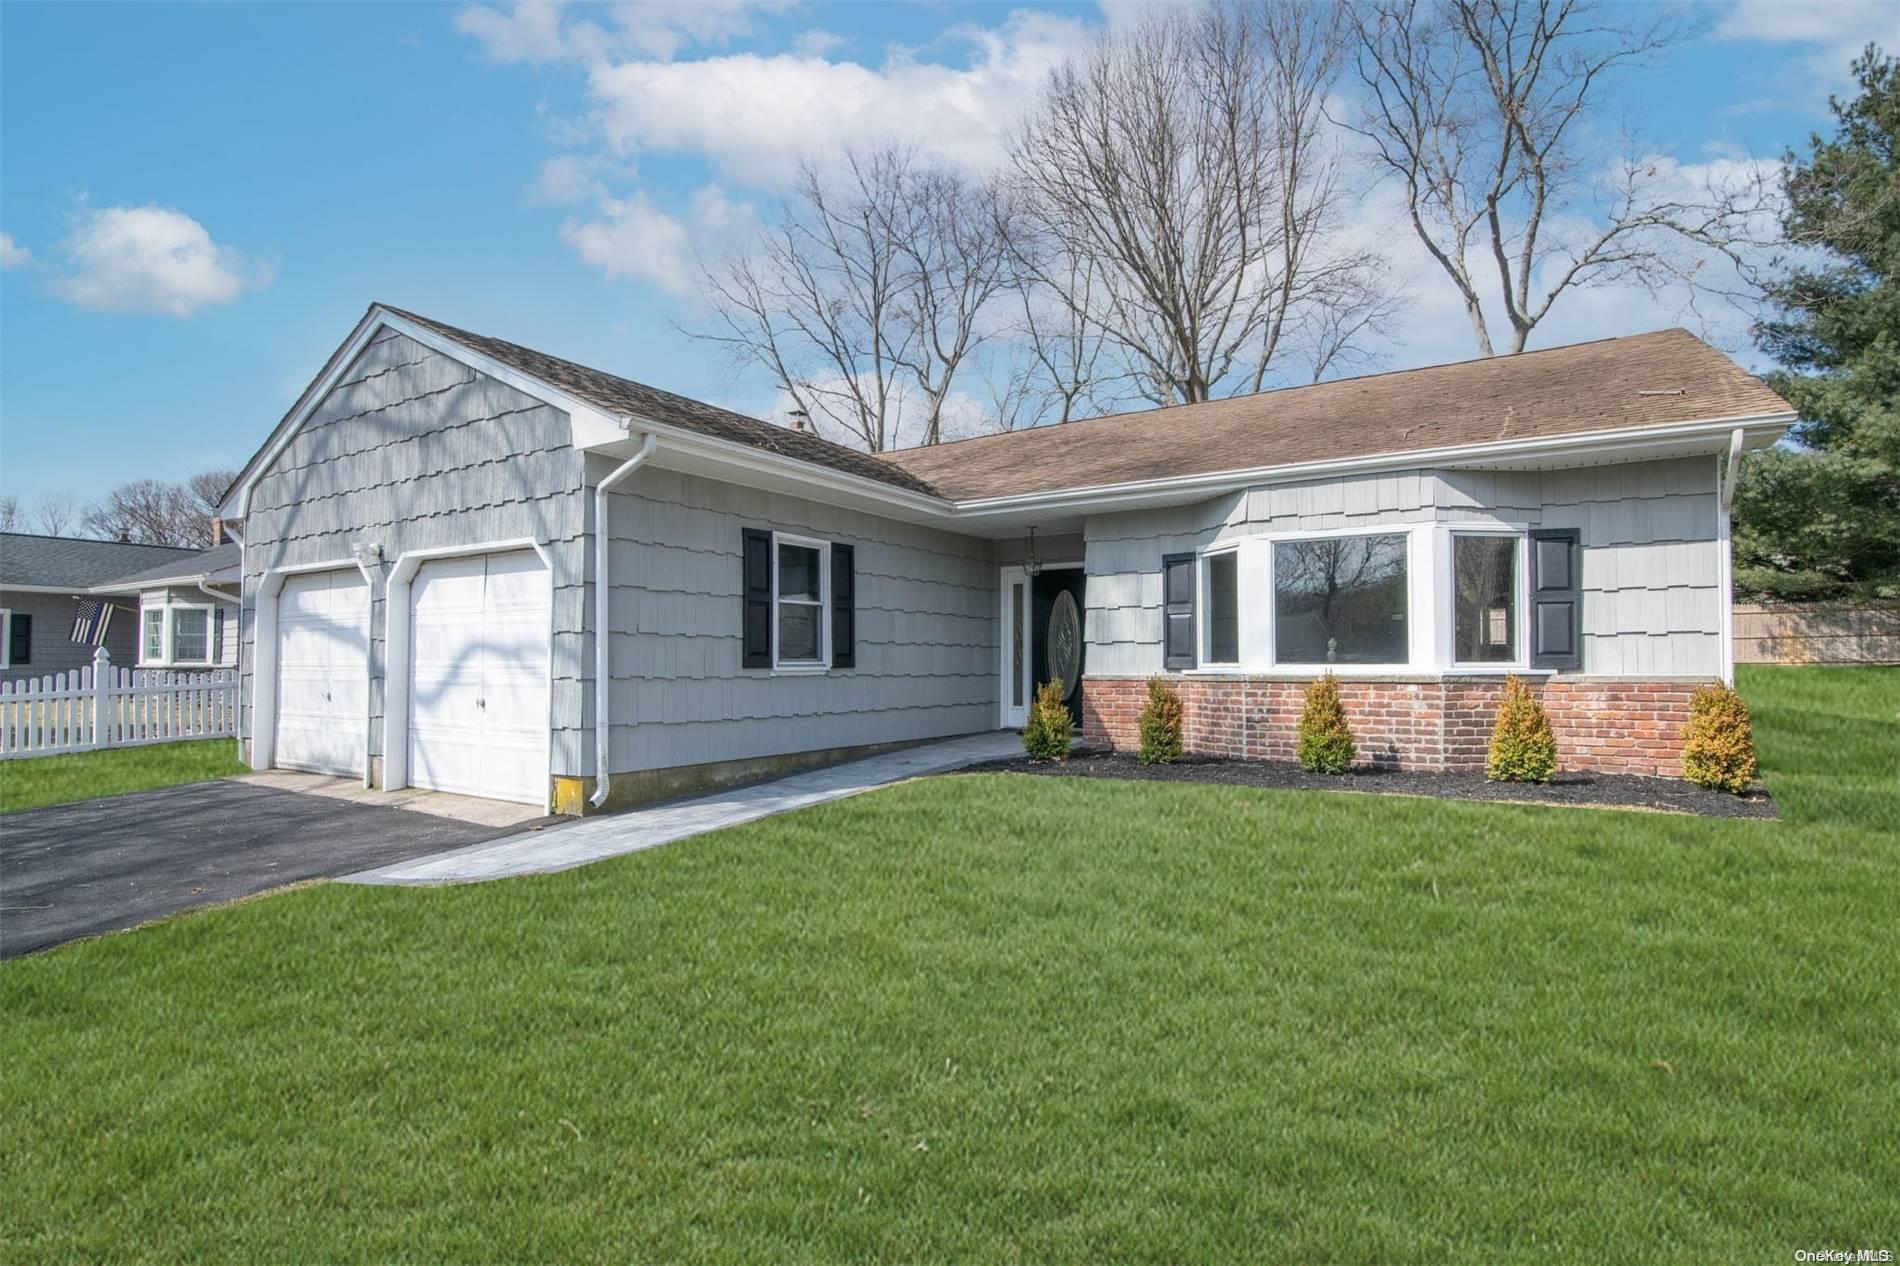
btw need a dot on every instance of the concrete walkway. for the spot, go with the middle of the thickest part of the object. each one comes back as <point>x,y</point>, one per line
<point>594,839</point>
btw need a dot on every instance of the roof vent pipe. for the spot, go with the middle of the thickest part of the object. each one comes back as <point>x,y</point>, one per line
<point>603,635</point>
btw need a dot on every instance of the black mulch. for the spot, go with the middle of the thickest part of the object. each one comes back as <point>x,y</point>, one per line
<point>1613,791</point>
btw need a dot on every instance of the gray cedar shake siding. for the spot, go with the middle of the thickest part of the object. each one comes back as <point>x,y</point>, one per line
<point>414,450</point>
<point>926,630</point>
<point>1652,606</point>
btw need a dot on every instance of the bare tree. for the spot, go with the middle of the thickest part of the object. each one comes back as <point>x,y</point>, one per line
<point>154,512</point>
<point>869,297</point>
<point>1478,108</point>
<point>12,515</point>
<point>1183,171</point>
<point>55,512</point>
<point>208,488</point>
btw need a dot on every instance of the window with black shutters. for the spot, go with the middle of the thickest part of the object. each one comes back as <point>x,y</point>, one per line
<point>799,602</point>
<point>1177,611</point>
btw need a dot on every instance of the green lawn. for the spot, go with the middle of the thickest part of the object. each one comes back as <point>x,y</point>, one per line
<point>42,780</point>
<point>1020,1019</point>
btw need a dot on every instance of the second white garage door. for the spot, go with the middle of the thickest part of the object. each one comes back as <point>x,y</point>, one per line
<point>322,677</point>
<point>478,685</point>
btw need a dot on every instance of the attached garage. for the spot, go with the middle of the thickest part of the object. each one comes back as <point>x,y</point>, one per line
<point>322,672</point>
<point>478,676</point>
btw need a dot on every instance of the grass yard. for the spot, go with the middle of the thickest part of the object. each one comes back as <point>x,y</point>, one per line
<point>1021,1019</point>
<point>37,781</point>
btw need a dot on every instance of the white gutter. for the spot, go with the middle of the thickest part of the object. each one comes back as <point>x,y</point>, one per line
<point>1734,469</point>
<point>219,594</point>
<point>603,635</point>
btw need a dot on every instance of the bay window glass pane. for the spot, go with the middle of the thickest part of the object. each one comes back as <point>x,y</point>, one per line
<point>798,572</point>
<point>190,634</point>
<point>1223,609</point>
<point>1340,600</point>
<point>154,649</point>
<point>1486,583</point>
<point>797,632</point>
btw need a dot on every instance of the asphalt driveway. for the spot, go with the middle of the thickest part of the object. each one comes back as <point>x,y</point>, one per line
<point>76,870</point>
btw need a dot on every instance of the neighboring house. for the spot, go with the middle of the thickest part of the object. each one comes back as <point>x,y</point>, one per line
<point>430,531</point>
<point>47,582</point>
<point>187,609</point>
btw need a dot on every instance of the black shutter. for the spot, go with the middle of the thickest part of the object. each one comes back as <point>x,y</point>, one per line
<point>844,600</point>
<point>1177,611</point>
<point>756,626</point>
<point>20,640</point>
<point>1556,599</point>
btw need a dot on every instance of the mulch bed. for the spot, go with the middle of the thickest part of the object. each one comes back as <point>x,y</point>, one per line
<point>1602,791</point>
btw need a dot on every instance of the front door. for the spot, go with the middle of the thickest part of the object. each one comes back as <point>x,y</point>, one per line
<point>1055,623</point>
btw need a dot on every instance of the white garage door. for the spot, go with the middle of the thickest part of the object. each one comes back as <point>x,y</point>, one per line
<point>478,686</point>
<point>322,657</point>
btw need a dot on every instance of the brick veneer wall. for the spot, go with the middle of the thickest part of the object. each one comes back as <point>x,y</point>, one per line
<point>1614,725</point>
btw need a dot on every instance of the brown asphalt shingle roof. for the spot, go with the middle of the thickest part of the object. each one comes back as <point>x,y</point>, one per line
<point>1642,380</point>
<point>1612,384</point>
<point>623,396</point>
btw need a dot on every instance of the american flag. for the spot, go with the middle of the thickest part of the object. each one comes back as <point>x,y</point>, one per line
<point>92,622</point>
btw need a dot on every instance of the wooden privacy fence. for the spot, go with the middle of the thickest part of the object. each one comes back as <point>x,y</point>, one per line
<point>103,706</point>
<point>1817,633</point>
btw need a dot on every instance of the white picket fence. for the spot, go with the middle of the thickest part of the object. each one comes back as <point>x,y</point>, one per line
<point>103,706</point>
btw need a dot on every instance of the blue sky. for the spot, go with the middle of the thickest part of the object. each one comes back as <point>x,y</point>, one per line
<point>198,201</point>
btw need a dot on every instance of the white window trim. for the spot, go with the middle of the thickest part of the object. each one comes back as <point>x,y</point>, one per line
<point>6,637</point>
<point>1204,661</point>
<point>1447,579</point>
<point>167,638</point>
<point>804,667</point>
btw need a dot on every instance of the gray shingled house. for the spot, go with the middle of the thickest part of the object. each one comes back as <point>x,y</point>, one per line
<point>187,609</point>
<point>46,581</point>
<point>435,532</point>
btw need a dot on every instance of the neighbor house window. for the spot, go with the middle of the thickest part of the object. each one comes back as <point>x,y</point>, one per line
<point>191,635</point>
<point>1485,596</point>
<point>16,638</point>
<point>175,634</point>
<point>1223,608</point>
<point>152,649</point>
<point>1340,600</point>
<point>800,604</point>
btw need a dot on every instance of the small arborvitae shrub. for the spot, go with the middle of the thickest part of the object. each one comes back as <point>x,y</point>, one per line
<point>1325,739</point>
<point>1046,737</point>
<point>1522,746</point>
<point>1717,748</point>
<point>1161,719</point>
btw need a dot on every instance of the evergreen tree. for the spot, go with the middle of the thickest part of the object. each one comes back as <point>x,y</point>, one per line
<point>1823,520</point>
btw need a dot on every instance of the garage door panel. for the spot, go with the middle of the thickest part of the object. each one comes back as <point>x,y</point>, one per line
<point>322,657</point>
<point>478,722</point>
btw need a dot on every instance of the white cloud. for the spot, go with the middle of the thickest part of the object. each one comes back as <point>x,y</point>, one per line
<point>12,254</point>
<point>632,239</point>
<point>1836,30</point>
<point>151,259</point>
<point>817,43</point>
<point>752,116</point>
<point>540,31</point>
<point>566,178</point>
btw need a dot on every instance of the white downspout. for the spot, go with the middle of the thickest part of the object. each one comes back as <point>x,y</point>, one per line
<point>603,636</point>
<point>1725,558</point>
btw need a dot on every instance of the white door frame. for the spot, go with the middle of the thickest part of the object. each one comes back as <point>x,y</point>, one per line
<point>1009,717</point>
<point>398,624</point>
<point>264,652</point>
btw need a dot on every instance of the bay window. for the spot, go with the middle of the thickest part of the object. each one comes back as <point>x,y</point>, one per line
<point>174,634</point>
<point>1341,600</point>
<point>1223,608</point>
<point>152,645</point>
